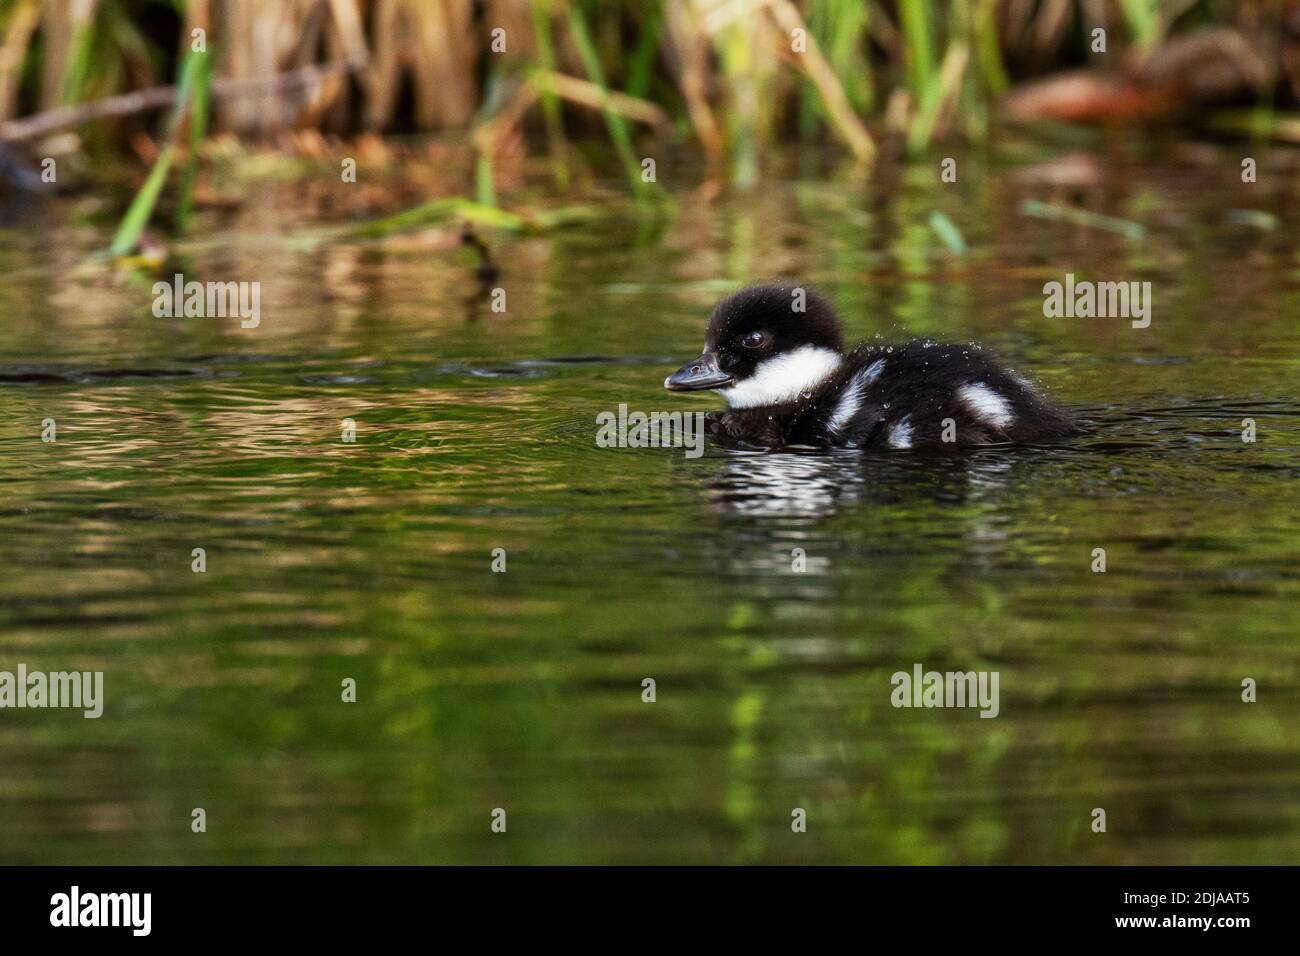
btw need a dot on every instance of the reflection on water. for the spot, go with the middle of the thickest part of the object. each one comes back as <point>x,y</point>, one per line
<point>824,483</point>
<point>789,483</point>
<point>770,596</point>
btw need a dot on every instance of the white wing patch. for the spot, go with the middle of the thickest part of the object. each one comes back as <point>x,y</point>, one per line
<point>900,436</point>
<point>986,405</point>
<point>854,393</point>
<point>783,378</point>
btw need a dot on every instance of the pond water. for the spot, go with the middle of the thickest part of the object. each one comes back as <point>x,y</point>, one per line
<point>475,430</point>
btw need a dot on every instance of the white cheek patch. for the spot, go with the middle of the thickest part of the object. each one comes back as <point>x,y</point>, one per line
<point>783,378</point>
<point>855,392</point>
<point>986,405</point>
<point>900,436</point>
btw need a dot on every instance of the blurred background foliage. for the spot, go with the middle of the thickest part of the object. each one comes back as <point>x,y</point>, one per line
<point>498,90</point>
<point>724,76</point>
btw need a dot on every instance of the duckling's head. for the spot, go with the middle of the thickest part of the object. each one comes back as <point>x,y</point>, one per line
<point>765,345</point>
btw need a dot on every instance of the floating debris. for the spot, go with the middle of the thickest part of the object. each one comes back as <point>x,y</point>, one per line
<point>947,230</point>
<point>1082,217</point>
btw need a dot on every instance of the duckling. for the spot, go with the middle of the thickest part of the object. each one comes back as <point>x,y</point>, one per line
<point>776,354</point>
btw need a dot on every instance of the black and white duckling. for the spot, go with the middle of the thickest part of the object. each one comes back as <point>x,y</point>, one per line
<point>776,354</point>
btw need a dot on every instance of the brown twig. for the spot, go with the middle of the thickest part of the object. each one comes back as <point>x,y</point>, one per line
<point>586,93</point>
<point>843,119</point>
<point>487,270</point>
<point>65,117</point>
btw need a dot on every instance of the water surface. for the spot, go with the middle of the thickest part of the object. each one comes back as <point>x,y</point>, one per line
<point>522,690</point>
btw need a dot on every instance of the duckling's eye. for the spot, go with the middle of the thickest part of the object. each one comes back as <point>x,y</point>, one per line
<point>753,340</point>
